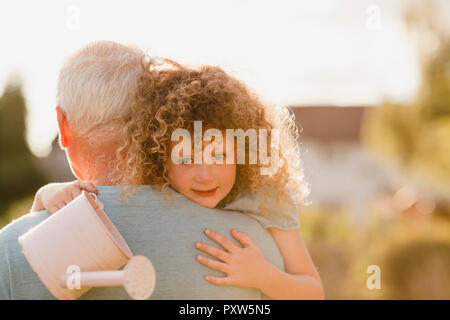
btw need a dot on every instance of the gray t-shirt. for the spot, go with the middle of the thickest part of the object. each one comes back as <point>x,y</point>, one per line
<point>165,232</point>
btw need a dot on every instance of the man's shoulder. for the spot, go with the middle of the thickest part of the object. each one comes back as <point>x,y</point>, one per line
<point>14,270</point>
<point>17,227</point>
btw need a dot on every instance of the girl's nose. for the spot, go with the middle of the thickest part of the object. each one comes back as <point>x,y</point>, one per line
<point>204,173</point>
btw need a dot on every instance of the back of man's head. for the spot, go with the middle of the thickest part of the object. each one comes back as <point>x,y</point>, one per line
<point>97,84</point>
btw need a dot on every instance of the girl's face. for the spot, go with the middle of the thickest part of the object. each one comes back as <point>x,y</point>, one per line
<point>205,184</point>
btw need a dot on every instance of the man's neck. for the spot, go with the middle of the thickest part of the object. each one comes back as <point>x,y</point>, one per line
<point>99,172</point>
<point>101,177</point>
<point>101,181</point>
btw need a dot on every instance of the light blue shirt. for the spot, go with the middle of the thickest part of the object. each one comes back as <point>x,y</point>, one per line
<point>165,232</point>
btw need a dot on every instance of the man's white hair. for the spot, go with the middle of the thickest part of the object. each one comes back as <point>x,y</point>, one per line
<point>98,84</point>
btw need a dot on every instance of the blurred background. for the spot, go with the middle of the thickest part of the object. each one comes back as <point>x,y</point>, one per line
<point>368,82</point>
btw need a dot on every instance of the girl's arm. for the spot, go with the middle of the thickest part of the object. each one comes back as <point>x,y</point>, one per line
<point>300,280</point>
<point>54,196</point>
<point>246,266</point>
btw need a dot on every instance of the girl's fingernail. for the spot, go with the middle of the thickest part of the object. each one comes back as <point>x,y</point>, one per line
<point>207,231</point>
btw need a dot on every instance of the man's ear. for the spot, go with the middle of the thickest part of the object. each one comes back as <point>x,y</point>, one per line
<point>64,129</point>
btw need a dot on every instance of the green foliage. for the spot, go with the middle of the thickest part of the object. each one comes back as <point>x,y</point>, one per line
<point>417,136</point>
<point>413,254</point>
<point>12,121</point>
<point>419,270</point>
<point>17,209</point>
<point>18,174</point>
<point>391,130</point>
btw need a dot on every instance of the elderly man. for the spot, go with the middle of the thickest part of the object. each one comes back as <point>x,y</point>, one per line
<point>96,87</point>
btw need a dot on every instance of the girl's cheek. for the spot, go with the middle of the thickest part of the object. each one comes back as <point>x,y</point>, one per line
<point>179,178</point>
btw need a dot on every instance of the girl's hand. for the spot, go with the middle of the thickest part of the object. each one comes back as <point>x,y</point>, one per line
<point>245,267</point>
<point>54,196</point>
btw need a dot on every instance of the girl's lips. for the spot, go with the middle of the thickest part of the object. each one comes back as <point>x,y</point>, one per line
<point>207,193</point>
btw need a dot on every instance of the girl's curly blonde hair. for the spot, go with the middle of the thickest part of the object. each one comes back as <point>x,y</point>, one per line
<point>172,96</point>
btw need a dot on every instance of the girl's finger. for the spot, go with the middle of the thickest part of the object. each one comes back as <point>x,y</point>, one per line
<point>213,264</point>
<point>53,209</point>
<point>89,187</point>
<point>65,199</point>
<point>243,238</point>
<point>215,252</point>
<point>75,192</point>
<point>224,242</point>
<point>221,281</point>
<point>61,203</point>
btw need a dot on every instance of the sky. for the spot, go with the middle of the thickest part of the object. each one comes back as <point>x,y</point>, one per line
<point>322,52</point>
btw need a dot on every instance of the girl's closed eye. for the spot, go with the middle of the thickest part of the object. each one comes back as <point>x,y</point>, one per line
<point>185,161</point>
<point>220,158</point>
<point>180,160</point>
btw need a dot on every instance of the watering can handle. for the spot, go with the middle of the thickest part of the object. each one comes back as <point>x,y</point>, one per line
<point>138,278</point>
<point>98,202</point>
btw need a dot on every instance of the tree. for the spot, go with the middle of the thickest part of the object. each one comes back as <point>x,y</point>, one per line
<point>18,174</point>
<point>417,136</point>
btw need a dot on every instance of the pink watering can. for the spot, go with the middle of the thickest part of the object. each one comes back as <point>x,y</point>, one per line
<point>78,248</point>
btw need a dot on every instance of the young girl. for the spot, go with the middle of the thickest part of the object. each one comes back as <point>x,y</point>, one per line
<point>174,98</point>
